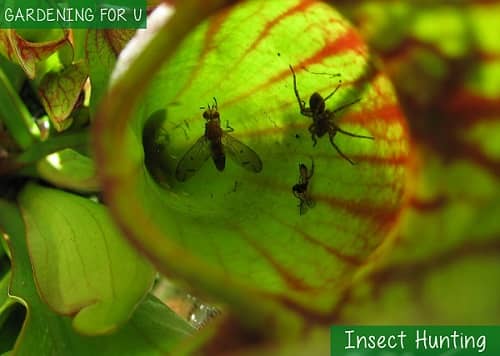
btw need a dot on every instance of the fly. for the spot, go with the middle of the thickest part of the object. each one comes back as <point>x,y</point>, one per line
<point>323,119</point>
<point>301,189</point>
<point>216,142</point>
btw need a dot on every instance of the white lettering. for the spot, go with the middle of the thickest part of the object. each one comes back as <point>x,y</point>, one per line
<point>19,16</point>
<point>53,14</point>
<point>8,14</point>
<point>112,14</point>
<point>481,343</point>
<point>349,345</point>
<point>419,339</point>
<point>137,14</point>
<point>29,14</point>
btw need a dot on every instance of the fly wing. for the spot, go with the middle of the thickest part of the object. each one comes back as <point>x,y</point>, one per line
<point>241,153</point>
<point>193,159</point>
<point>305,205</point>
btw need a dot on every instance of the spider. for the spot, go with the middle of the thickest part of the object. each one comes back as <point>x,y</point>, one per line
<point>323,118</point>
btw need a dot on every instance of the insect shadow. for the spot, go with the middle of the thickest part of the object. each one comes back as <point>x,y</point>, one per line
<point>323,119</point>
<point>216,142</point>
<point>155,141</point>
<point>301,189</point>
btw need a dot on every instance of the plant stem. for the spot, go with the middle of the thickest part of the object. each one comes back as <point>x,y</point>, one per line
<point>14,114</point>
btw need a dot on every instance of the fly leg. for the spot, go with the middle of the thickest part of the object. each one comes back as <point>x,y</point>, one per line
<point>312,169</point>
<point>228,128</point>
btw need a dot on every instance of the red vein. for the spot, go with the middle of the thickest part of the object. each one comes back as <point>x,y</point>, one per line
<point>291,280</point>
<point>349,259</point>
<point>208,44</point>
<point>349,40</point>
<point>471,107</point>
<point>384,214</point>
<point>428,205</point>
<point>340,44</point>
<point>301,6</point>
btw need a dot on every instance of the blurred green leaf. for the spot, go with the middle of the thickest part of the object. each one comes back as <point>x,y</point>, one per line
<point>442,266</point>
<point>13,72</point>
<point>152,330</point>
<point>26,53</point>
<point>5,301</point>
<point>81,264</point>
<point>11,316</point>
<point>102,48</point>
<point>69,169</point>
<point>14,113</point>
<point>61,91</point>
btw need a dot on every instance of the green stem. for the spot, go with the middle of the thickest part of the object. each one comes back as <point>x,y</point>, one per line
<point>14,114</point>
<point>40,150</point>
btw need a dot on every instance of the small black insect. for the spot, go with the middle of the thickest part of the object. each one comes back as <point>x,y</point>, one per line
<point>323,118</point>
<point>216,142</point>
<point>301,189</point>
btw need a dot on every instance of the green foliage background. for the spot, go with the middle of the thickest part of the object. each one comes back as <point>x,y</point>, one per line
<point>408,235</point>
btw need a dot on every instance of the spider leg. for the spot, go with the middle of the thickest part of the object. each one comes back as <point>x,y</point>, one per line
<point>353,135</point>
<point>339,151</point>
<point>306,111</point>
<point>332,93</point>
<point>313,138</point>
<point>301,102</point>
<point>312,129</point>
<point>342,107</point>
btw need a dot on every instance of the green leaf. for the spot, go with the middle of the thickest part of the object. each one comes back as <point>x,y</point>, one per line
<point>82,266</point>
<point>69,169</point>
<point>5,302</point>
<point>14,113</point>
<point>26,53</point>
<point>60,93</point>
<point>11,316</point>
<point>14,73</point>
<point>240,234</point>
<point>152,330</point>
<point>102,48</point>
<point>56,143</point>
